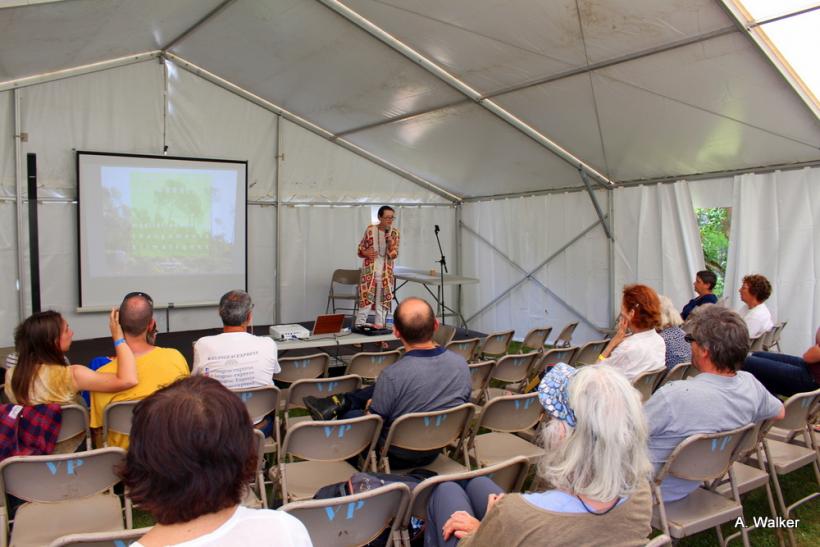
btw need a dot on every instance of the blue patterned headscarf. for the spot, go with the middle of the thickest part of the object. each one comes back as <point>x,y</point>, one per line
<point>553,392</point>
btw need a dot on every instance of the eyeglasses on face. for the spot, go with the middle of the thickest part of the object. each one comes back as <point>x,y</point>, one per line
<point>689,339</point>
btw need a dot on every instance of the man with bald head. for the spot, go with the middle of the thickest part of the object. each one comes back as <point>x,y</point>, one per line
<point>427,378</point>
<point>156,367</point>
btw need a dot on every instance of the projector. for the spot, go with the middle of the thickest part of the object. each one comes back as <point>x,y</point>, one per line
<point>289,332</point>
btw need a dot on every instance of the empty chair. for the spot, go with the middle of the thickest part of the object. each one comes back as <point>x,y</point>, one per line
<point>444,335</point>
<point>466,348</point>
<point>324,448</point>
<point>299,368</point>
<point>63,494</point>
<point>701,457</point>
<point>119,538</point>
<point>262,402</point>
<point>535,339</point>
<point>480,377</point>
<point>368,365</point>
<point>353,520</point>
<point>646,382</point>
<point>427,431</point>
<point>512,369</point>
<point>504,416</point>
<point>564,338</point>
<point>256,496</point>
<point>347,291</point>
<point>495,344</point>
<point>74,430</point>
<point>678,372</point>
<point>773,340</point>
<point>547,361</point>
<point>317,387</point>
<point>117,423</point>
<point>588,353</point>
<point>757,343</point>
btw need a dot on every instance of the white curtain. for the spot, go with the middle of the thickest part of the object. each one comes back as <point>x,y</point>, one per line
<point>775,227</point>
<point>657,241</point>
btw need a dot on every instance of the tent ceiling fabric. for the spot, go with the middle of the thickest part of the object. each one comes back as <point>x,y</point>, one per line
<point>656,109</point>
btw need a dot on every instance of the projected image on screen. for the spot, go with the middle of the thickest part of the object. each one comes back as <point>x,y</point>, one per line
<point>176,225</point>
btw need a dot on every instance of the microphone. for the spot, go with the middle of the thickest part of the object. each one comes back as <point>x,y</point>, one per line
<point>437,229</point>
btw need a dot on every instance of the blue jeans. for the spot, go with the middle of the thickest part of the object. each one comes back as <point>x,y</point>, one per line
<point>449,497</point>
<point>779,373</point>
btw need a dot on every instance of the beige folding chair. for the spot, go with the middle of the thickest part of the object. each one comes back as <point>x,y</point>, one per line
<point>535,339</point>
<point>480,377</point>
<point>324,447</point>
<point>74,430</point>
<point>369,364</point>
<point>784,457</point>
<point>659,541</point>
<point>774,340</point>
<point>304,367</point>
<point>495,344</point>
<point>261,402</point>
<point>119,538</point>
<point>256,496</point>
<point>512,369</point>
<point>444,335</point>
<point>63,494</point>
<point>589,352</point>
<point>701,457</point>
<point>547,360</point>
<point>354,520</point>
<point>425,431</point>
<point>757,343</point>
<point>466,348</point>
<point>564,339</point>
<point>318,387</point>
<point>678,372</point>
<point>349,291</point>
<point>504,416</point>
<point>646,381</point>
<point>508,475</point>
<point>117,419</point>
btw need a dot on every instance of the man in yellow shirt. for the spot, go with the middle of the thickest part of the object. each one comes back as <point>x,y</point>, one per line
<point>156,367</point>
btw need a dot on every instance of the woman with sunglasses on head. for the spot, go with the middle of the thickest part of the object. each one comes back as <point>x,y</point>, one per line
<point>42,374</point>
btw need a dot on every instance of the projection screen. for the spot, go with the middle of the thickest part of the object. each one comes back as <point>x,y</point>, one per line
<point>174,228</point>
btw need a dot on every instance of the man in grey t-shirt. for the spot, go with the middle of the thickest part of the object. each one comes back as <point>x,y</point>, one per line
<point>720,398</point>
<point>427,378</point>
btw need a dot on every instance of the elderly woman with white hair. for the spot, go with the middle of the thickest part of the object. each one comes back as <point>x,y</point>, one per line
<point>678,350</point>
<point>595,459</point>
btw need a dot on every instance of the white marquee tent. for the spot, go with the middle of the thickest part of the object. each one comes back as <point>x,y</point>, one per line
<point>561,144</point>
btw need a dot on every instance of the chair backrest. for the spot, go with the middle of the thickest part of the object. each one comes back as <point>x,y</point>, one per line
<point>775,338</point>
<point>496,343</point>
<point>645,382</point>
<point>444,335</point>
<point>369,364</point>
<point>589,352</point>
<point>480,374</point>
<point>565,336</point>
<point>558,355</point>
<point>117,418</point>
<point>678,372</point>
<point>299,368</point>
<point>757,343</point>
<point>704,456</point>
<point>353,520</point>
<point>319,387</point>
<point>75,423</point>
<point>345,277</point>
<point>799,408</point>
<point>429,430</point>
<point>260,401</point>
<point>515,367</point>
<point>61,477</point>
<point>331,441</point>
<point>510,413</point>
<point>466,348</point>
<point>535,339</point>
<point>509,475</point>
<point>116,538</point>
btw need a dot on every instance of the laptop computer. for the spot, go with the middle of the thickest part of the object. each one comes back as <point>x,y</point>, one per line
<point>328,324</point>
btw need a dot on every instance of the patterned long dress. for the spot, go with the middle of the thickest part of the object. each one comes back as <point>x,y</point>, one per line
<point>372,239</point>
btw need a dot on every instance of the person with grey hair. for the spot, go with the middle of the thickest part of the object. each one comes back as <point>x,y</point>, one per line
<point>720,398</point>
<point>236,357</point>
<point>677,350</point>
<point>595,460</point>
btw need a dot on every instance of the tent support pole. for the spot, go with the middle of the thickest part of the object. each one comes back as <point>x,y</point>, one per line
<point>18,177</point>
<point>458,258</point>
<point>277,286</point>
<point>595,204</point>
<point>611,256</point>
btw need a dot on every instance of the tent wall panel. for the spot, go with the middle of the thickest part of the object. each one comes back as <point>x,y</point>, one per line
<point>7,183</point>
<point>9,316</point>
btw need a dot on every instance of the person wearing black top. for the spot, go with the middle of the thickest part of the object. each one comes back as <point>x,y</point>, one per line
<point>704,283</point>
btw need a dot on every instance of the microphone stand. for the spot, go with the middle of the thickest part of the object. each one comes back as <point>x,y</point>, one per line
<point>442,263</point>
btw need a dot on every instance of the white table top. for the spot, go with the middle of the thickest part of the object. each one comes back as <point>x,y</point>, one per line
<point>431,277</point>
<point>337,340</point>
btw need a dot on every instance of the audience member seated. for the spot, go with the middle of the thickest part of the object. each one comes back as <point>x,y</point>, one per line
<point>754,291</point>
<point>192,454</point>
<point>704,285</point>
<point>42,375</point>
<point>786,374</point>
<point>720,398</point>
<point>595,460</point>
<point>156,367</point>
<point>236,358</point>
<point>425,379</point>
<point>677,349</point>
<point>643,350</point>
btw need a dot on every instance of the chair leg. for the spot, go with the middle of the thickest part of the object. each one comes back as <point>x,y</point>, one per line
<point>719,532</point>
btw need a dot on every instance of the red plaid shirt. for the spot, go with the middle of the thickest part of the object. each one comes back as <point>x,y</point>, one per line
<point>29,430</point>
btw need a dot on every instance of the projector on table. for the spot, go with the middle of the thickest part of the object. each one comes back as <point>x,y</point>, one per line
<point>289,332</point>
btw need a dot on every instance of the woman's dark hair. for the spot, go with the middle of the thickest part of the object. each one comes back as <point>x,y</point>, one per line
<point>37,342</point>
<point>384,208</point>
<point>646,304</point>
<point>759,286</point>
<point>708,277</point>
<point>192,451</point>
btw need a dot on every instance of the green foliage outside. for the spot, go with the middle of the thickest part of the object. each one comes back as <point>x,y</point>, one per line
<point>714,234</point>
